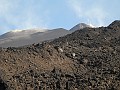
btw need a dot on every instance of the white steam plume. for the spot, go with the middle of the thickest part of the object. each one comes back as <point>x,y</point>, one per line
<point>88,11</point>
<point>22,14</point>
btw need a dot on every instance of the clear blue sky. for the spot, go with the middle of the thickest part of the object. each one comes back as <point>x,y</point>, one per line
<point>24,14</point>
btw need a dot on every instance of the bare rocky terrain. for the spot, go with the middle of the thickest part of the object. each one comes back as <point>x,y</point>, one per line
<point>87,59</point>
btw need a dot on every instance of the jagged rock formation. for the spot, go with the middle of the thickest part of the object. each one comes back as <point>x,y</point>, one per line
<point>87,59</point>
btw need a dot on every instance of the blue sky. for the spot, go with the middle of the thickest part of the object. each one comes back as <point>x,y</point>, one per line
<point>24,14</point>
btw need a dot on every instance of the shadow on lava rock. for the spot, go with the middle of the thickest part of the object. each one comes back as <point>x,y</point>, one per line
<point>3,86</point>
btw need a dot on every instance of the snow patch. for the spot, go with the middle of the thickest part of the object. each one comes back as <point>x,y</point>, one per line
<point>92,26</point>
<point>28,30</point>
<point>16,31</point>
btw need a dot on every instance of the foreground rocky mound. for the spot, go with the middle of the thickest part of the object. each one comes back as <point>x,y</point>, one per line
<point>88,59</point>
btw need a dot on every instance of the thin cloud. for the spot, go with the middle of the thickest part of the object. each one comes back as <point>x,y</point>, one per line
<point>22,14</point>
<point>94,13</point>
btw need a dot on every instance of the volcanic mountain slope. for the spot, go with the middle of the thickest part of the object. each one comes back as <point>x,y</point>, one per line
<point>87,59</point>
<point>80,26</point>
<point>18,38</point>
<point>25,37</point>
